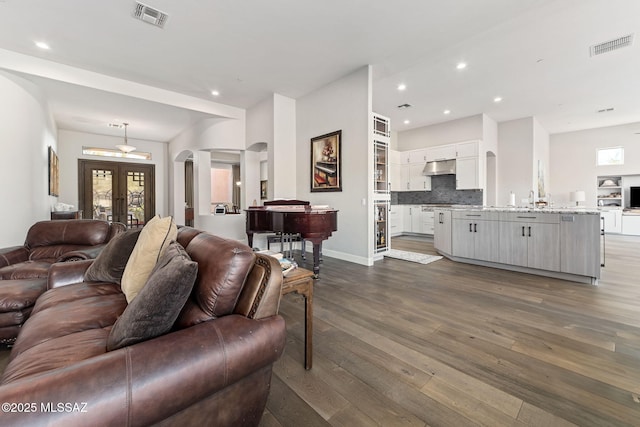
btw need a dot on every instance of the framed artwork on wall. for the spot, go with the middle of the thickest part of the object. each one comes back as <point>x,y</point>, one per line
<point>54,173</point>
<point>326,163</point>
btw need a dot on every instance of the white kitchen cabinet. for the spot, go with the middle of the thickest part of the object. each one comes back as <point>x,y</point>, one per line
<point>530,240</point>
<point>475,235</point>
<point>580,244</point>
<point>612,220</point>
<point>631,225</point>
<point>395,220</point>
<point>405,183</point>
<point>412,219</point>
<point>442,231</point>
<point>418,156</point>
<point>467,175</point>
<point>427,218</point>
<point>395,176</point>
<point>417,180</point>
<point>441,152</point>
<point>467,149</point>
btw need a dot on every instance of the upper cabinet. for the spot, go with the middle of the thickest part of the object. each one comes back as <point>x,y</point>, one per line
<point>441,152</point>
<point>467,165</point>
<point>381,126</point>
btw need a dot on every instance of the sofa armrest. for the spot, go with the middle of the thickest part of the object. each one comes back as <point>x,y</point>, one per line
<point>82,254</point>
<point>148,382</point>
<point>13,255</point>
<point>66,273</point>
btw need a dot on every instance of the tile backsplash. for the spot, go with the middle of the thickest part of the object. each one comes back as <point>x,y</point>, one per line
<point>443,190</point>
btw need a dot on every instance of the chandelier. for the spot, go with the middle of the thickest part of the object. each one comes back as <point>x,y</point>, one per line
<point>125,148</point>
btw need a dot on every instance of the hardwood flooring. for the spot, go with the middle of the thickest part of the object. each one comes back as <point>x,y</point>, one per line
<point>450,344</point>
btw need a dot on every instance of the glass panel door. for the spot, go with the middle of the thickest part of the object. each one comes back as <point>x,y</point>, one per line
<point>117,192</point>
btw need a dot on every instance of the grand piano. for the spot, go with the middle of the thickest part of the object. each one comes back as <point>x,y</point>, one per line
<point>313,223</point>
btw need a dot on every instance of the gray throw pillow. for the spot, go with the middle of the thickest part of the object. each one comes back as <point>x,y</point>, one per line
<point>111,261</point>
<point>154,310</point>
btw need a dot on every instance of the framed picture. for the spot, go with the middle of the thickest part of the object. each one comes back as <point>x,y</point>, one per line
<point>326,164</point>
<point>263,190</point>
<point>54,173</point>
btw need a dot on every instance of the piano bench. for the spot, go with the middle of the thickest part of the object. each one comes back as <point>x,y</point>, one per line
<point>319,179</point>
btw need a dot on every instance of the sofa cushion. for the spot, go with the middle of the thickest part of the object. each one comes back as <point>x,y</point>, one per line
<point>26,270</point>
<point>110,263</point>
<point>153,240</point>
<point>223,266</point>
<point>69,310</point>
<point>85,232</point>
<point>154,310</point>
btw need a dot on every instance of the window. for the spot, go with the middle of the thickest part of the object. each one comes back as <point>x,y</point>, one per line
<point>106,152</point>
<point>610,156</point>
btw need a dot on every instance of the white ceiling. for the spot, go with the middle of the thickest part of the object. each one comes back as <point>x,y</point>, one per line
<point>532,53</point>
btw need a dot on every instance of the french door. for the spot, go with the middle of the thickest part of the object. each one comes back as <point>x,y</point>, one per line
<point>117,192</point>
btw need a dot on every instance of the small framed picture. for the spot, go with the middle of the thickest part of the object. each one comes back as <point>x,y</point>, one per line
<point>263,189</point>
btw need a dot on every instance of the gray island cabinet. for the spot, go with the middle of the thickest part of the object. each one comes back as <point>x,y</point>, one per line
<point>562,243</point>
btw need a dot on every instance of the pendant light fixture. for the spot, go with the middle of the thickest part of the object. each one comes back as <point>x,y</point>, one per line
<point>125,148</point>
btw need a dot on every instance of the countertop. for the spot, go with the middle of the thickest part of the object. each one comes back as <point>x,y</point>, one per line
<point>554,210</point>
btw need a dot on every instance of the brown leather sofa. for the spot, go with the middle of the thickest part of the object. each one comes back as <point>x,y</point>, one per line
<point>24,269</point>
<point>55,241</point>
<point>215,372</point>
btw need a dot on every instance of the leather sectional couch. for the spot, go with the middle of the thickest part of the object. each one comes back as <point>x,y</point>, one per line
<point>24,269</point>
<point>212,368</point>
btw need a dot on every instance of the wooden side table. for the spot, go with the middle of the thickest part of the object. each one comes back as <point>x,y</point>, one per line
<point>300,281</point>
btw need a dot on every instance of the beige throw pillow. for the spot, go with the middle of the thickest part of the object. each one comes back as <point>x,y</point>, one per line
<point>154,239</point>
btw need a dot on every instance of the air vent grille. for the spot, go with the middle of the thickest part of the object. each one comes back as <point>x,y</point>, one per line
<point>150,15</point>
<point>611,45</point>
<point>404,105</point>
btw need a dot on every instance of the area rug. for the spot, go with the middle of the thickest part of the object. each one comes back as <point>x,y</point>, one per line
<point>412,256</point>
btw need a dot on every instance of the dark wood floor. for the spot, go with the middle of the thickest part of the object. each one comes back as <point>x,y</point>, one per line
<point>449,344</point>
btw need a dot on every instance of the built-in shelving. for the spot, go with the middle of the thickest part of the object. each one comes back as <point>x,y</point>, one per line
<point>381,134</point>
<point>610,192</point>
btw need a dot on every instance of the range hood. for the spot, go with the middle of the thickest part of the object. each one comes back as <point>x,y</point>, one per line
<point>440,167</point>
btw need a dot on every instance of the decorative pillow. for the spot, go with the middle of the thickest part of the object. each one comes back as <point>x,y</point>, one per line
<point>154,311</point>
<point>154,239</point>
<point>111,261</point>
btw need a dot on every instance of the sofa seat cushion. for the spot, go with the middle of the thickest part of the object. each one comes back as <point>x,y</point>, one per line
<point>26,270</point>
<point>57,353</point>
<point>60,315</point>
<point>18,295</point>
<point>15,318</point>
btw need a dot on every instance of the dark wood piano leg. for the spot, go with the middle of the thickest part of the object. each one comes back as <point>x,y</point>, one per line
<point>316,259</point>
<point>250,239</point>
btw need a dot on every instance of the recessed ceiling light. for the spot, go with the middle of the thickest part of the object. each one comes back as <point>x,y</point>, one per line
<point>215,93</point>
<point>461,65</point>
<point>402,86</point>
<point>497,99</point>
<point>42,45</point>
<point>446,112</point>
<point>406,122</point>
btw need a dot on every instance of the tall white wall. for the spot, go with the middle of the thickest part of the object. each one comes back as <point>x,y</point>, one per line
<point>464,129</point>
<point>515,163</point>
<point>282,153</point>
<point>70,145</point>
<point>573,159</point>
<point>27,132</point>
<point>344,104</point>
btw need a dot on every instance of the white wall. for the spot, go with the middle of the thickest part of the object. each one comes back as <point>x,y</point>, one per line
<point>573,159</point>
<point>515,163</point>
<point>27,132</point>
<point>464,129</point>
<point>70,150</point>
<point>282,152</point>
<point>344,104</point>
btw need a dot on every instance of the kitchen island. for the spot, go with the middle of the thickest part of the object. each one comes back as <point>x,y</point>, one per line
<point>554,242</point>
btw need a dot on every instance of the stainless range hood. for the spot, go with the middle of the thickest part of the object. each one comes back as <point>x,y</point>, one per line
<point>440,167</point>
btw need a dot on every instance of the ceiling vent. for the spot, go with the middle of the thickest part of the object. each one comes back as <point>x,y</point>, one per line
<point>150,15</point>
<point>404,106</point>
<point>611,45</point>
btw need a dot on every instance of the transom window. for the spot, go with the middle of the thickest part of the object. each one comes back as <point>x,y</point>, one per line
<point>610,156</point>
